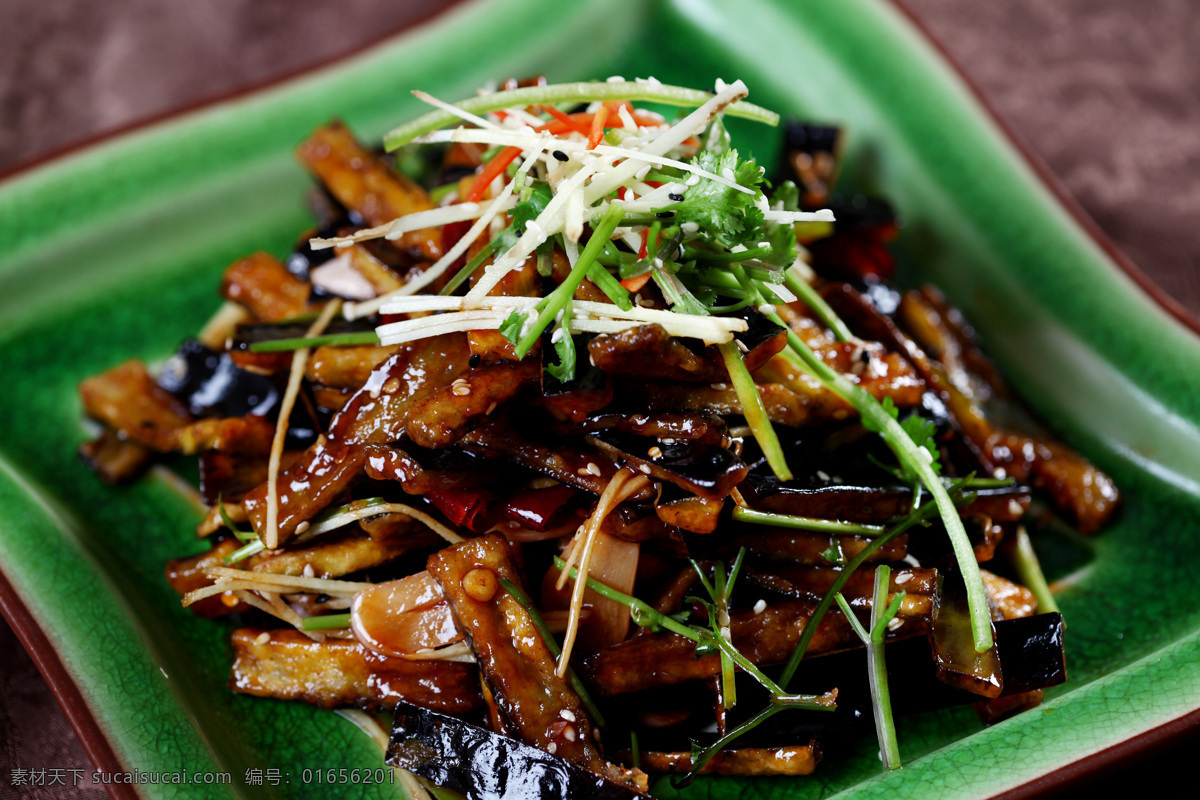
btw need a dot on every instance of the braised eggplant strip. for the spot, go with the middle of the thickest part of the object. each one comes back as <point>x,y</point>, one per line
<point>611,442</point>
<point>661,659</point>
<point>114,458</point>
<point>126,399</point>
<point>796,759</point>
<point>263,286</point>
<point>519,669</point>
<point>336,673</point>
<point>361,181</point>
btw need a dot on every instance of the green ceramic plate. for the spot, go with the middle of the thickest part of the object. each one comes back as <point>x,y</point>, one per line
<point>116,251</point>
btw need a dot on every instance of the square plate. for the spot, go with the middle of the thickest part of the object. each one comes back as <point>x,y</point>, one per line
<point>115,252</point>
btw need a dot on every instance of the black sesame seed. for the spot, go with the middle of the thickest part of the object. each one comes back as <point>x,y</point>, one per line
<point>474,360</point>
<point>678,198</point>
<point>665,214</point>
<point>560,155</point>
<point>866,357</point>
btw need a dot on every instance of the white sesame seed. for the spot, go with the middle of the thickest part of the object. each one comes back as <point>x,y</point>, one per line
<point>594,468</point>
<point>742,345</point>
<point>719,387</point>
<point>1014,508</point>
<point>822,474</point>
<point>262,638</point>
<point>551,748</point>
<point>903,578</point>
<point>567,715</point>
<point>760,607</point>
<point>644,469</point>
<point>569,733</point>
<point>894,623</point>
<point>491,407</point>
<point>766,308</point>
<point>654,452</point>
<point>302,527</point>
<point>309,572</point>
<point>614,79</point>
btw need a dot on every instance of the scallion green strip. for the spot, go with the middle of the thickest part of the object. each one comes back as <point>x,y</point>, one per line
<point>556,300</point>
<point>570,93</point>
<point>809,296</point>
<point>329,339</point>
<point>743,514</point>
<point>325,622</point>
<point>882,614</point>
<point>753,409</point>
<point>242,553</point>
<point>611,287</point>
<point>554,648</point>
<point>469,268</point>
<point>1029,570</point>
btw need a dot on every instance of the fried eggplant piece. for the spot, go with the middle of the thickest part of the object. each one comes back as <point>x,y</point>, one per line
<point>345,367</point>
<point>677,426</point>
<point>115,458</point>
<point>336,673</point>
<point>861,503</point>
<point>1085,493</point>
<point>482,765</point>
<point>690,513</point>
<point>316,479</point>
<point>814,154</point>
<point>191,573</point>
<point>648,352</point>
<point>581,467</point>
<point>1077,488</point>
<point>809,547</point>
<point>705,470</point>
<point>335,557</point>
<point>363,182</point>
<point>790,396</point>
<point>127,398</point>
<point>262,284</point>
<point>812,583</point>
<point>378,412</point>
<point>793,759</point>
<point>235,436</point>
<point>441,417</point>
<point>536,705</point>
<point>662,659</point>
<point>958,663</point>
<point>1009,600</point>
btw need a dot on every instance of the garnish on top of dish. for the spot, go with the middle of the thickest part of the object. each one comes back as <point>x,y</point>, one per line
<point>576,442</point>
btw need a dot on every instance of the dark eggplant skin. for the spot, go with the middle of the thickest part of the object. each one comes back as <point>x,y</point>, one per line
<point>212,385</point>
<point>482,765</point>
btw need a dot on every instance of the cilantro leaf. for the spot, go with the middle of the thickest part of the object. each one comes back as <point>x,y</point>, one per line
<point>511,327</point>
<point>922,432</point>
<point>781,237</point>
<point>564,346</point>
<point>727,216</point>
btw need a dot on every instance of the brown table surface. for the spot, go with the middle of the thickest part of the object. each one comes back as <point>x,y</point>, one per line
<point>1106,92</point>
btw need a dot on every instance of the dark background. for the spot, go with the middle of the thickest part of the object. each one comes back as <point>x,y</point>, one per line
<point>1106,92</point>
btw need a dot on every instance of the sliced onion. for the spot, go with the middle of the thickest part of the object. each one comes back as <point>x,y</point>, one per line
<point>614,563</point>
<point>403,617</point>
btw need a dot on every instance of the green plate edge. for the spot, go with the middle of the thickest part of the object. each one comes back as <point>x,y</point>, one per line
<point>91,240</point>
